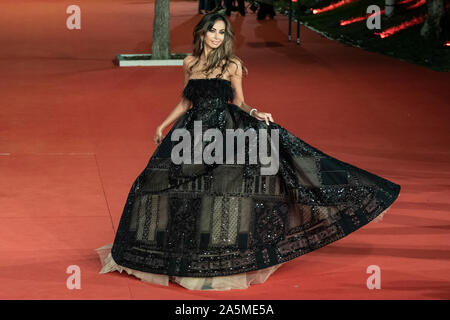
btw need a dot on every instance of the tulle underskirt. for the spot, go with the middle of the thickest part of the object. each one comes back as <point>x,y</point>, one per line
<point>235,281</point>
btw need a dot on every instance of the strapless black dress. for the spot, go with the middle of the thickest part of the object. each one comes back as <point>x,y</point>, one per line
<point>225,226</point>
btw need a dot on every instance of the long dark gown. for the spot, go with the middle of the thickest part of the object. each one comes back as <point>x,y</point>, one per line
<point>226,226</point>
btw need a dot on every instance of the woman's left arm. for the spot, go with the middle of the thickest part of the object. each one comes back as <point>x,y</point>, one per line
<point>236,83</point>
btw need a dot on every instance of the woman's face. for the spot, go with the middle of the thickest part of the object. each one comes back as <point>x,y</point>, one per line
<point>214,37</point>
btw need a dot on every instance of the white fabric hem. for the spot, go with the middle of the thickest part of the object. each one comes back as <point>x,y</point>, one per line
<point>235,281</point>
<point>380,216</point>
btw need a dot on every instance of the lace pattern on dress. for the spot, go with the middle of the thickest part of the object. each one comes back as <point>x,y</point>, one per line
<point>200,220</point>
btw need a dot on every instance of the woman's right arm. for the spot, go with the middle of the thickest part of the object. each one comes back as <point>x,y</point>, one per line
<point>176,113</point>
<point>180,109</point>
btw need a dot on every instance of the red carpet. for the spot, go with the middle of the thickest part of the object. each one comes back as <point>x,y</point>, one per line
<point>77,130</point>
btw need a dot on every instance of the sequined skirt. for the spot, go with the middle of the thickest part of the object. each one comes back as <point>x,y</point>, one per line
<point>237,281</point>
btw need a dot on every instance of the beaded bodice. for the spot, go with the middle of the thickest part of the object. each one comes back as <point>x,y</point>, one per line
<point>208,92</point>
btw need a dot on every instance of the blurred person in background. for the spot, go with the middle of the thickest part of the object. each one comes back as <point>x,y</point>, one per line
<point>203,5</point>
<point>265,8</point>
<point>230,7</point>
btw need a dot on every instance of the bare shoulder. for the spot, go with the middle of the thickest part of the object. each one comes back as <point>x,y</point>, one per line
<point>188,60</point>
<point>236,61</point>
<point>235,67</point>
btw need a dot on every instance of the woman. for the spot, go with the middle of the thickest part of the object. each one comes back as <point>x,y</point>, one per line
<point>213,226</point>
<point>265,8</point>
